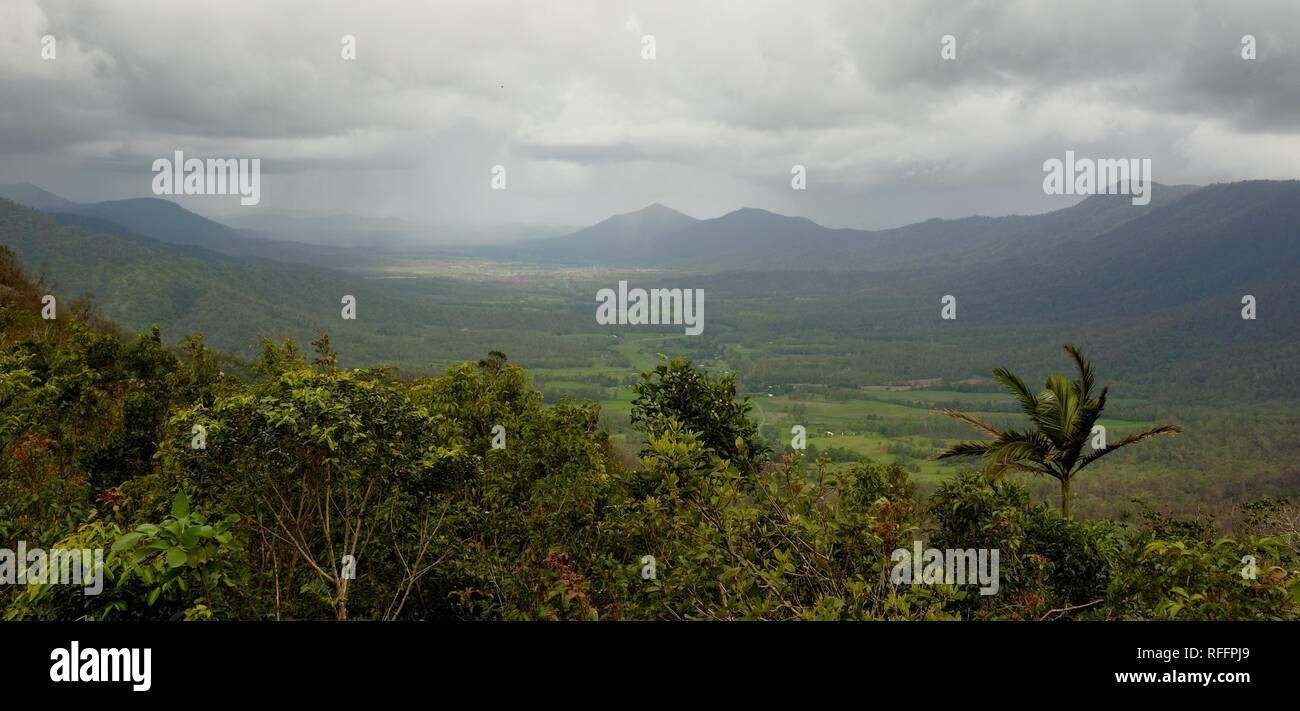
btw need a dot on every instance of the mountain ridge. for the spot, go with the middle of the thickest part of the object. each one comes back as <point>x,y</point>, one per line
<point>757,239</point>
<point>655,236</point>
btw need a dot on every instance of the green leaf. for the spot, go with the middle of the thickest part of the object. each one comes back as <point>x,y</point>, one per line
<point>181,505</point>
<point>127,541</point>
<point>153,596</point>
<point>176,557</point>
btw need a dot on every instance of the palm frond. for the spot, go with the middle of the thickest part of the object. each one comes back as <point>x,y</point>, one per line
<point>1012,382</point>
<point>1085,382</point>
<point>1131,439</point>
<point>973,422</point>
<point>964,449</point>
<point>1018,446</point>
<point>996,470</point>
<point>1058,412</point>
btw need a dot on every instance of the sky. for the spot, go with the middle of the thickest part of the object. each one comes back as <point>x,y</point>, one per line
<point>562,95</point>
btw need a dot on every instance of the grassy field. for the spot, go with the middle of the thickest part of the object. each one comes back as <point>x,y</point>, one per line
<point>885,423</point>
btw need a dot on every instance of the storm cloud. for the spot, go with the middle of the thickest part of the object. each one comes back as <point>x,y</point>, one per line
<point>560,94</point>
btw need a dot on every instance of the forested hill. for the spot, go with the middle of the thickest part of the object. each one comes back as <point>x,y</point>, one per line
<point>758,240</point>
<point>155,219</point>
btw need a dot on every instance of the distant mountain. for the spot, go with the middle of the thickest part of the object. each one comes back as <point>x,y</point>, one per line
<point>749,238</point>
<point>168,222</point>
<point>165,221</point>
<point>1166,288</point>
<point>29,195</point>
<point>972,240</point>
<point>138,281</point>
<point>1220,242</point>
<point>752,239</point>
<point>423,325</point>
<point>628,238</point>
<point>346,238</point>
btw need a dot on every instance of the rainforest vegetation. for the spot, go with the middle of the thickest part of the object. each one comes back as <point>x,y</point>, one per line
<point>290,487</point>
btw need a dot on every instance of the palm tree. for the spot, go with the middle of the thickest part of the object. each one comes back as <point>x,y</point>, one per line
<point>1062,417</point>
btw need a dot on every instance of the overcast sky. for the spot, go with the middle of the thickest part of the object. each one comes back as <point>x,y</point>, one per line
<point>559,93</point>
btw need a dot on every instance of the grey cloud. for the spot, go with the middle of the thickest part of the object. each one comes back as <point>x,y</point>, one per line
<point>558,92</point>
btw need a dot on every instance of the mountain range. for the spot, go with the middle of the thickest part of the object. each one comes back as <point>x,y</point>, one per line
<point>657,236</point>
<point>748,239</point>
<point>752,239</point>
<point>318,239</point>
<point>1175,271</point>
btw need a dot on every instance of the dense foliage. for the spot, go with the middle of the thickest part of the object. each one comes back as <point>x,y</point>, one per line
<point>298,489</point>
